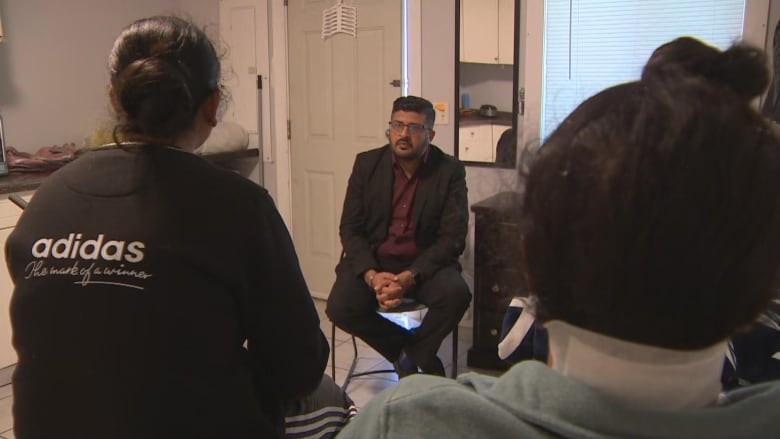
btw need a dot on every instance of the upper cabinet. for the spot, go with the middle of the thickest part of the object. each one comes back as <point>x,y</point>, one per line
<point>487,31</point>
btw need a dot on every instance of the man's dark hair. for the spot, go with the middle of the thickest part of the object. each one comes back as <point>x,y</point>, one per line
<point>418,105</point>
<point>652,213</point>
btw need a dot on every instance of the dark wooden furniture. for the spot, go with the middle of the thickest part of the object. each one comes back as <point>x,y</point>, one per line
<point>497,273</point>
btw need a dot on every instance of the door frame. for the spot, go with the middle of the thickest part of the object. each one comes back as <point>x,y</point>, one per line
<point>280,95</point>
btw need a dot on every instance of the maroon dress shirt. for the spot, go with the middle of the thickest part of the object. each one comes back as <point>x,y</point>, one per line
<point>399,243</point>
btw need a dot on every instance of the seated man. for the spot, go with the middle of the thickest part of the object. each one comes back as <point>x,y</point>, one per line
<point>651,232</point>
<point>403,228</point>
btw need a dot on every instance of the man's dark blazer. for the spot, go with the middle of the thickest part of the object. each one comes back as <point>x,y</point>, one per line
<point>439,212</point>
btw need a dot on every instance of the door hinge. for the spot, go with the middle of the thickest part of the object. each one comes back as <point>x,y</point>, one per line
<point>289,129</point>
<point>285,2</point>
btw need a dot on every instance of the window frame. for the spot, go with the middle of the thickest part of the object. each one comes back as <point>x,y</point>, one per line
<point>754,31</point>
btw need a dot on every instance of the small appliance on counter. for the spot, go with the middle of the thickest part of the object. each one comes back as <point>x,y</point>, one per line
<point>488,110</point>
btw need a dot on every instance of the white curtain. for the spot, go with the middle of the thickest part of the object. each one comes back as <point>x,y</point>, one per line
<point>593,44</point>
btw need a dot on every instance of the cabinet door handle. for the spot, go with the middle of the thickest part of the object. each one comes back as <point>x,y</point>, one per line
<point>494,332</point>
<point>495,288</point>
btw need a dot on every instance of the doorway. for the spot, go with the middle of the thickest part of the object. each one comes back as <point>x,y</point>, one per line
<point>341,92</point>
<point>320,118</point>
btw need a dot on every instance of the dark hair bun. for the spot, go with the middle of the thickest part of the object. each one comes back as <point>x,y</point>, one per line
<point>162,69</point>
<point>153,93</point>
<point>741,68</point>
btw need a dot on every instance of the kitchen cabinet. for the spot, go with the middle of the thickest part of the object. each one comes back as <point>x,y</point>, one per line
<point>497,273</point>
<point>9,215</point>
<point>478,142</point>
<point>487,31</point>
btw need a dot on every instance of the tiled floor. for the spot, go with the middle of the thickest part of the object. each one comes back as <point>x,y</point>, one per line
<point>361,389</point>
<point>6,422</point>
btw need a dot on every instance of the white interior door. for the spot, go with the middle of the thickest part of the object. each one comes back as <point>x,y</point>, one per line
<point>340,101</point>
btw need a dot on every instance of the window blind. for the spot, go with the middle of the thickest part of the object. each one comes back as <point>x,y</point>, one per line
<point>593,44</point>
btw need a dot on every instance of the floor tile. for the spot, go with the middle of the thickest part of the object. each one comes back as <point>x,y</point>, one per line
<point>341,375</point>
<point>5,374</point>
<point>6,420</point>
<point>325,323</point>
<point>363,389</point>
<point>6,391</point>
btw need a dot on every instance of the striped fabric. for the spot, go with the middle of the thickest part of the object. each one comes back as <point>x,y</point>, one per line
<point>321,414</point>
<point>321,424</point>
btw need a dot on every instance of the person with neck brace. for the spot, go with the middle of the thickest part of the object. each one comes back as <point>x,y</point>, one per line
<point>651,234</point>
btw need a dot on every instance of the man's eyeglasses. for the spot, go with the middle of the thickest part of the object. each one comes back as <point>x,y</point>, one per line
<point>414,128</point>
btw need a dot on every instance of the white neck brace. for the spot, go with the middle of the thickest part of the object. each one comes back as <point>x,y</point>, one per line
<point>643,375</point>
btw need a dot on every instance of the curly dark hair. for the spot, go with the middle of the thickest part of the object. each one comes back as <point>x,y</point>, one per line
<point>652,213</point>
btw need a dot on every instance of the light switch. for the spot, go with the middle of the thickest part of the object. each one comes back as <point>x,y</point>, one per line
<point>442,113</point>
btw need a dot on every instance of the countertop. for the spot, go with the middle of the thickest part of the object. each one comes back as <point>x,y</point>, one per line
<point>473,118</point>
<point>503,204</point>
<point>27,181</point>
<point>22,181</point>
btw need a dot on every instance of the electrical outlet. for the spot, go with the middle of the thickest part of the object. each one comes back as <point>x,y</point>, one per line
<point>442,113</point>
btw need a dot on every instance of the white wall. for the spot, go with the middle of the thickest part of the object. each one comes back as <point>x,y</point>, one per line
<point>204,13</point>
<point>53,75</point>
<point>438,84</point>
<point>438,62</point>
<point>487,84</point>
